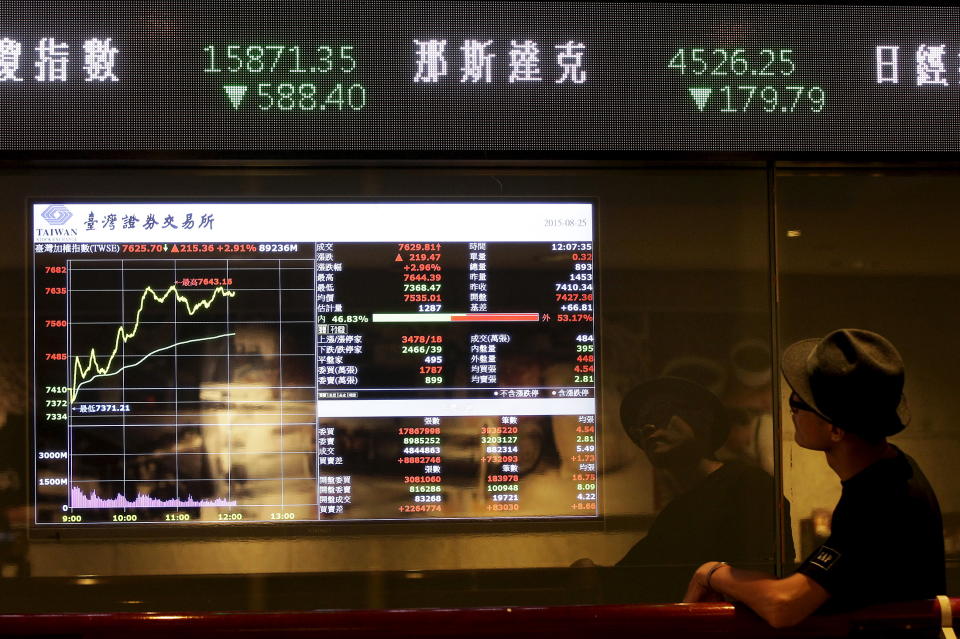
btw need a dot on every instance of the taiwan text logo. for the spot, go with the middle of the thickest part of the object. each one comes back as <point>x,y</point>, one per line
<point>56,215</point>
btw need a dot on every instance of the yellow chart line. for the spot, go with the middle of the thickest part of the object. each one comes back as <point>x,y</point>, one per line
<point>144,358</point>
<point>123,336</point>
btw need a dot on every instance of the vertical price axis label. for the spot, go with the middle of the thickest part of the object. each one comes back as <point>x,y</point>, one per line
<point>52,385</point>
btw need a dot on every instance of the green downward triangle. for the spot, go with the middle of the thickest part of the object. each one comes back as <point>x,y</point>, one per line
<point>235,92</point>
<point>700,95</point>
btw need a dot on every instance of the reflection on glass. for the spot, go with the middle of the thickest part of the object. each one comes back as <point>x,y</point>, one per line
<point>720,509</point>
<point>14,514</point>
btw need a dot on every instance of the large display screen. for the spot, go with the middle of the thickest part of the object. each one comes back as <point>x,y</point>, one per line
<point>291,361</point>
<point>476,76</point>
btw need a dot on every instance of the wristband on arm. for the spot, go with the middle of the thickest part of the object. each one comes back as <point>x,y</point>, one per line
<point>716,567</point>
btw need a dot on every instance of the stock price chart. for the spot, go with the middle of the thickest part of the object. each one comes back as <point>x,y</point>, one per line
<point>270,362</point>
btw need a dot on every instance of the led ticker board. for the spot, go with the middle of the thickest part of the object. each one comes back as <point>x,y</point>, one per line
<point>482,76</point>
<point>269,362</point>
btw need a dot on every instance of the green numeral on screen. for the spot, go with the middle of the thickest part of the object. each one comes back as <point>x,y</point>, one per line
<point>678,62</point>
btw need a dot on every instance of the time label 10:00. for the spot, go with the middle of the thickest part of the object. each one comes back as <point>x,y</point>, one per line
<point>721,62</point>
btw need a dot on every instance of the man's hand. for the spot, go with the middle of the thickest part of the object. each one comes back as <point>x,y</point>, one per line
<point>781,602</point>
<point>698,590</point>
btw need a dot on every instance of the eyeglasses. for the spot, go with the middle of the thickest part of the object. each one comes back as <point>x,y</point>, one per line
<point>656,413</point>
<point>797,404</point>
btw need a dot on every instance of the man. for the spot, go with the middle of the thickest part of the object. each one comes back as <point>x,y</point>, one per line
<point>886,542</point>
<point>720,509</point>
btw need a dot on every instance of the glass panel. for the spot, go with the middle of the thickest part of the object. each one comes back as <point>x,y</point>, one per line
<point>180,461</point>
<point>874,250</point>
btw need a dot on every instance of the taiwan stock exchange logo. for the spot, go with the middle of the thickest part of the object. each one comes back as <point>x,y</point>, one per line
<point>56,215</point>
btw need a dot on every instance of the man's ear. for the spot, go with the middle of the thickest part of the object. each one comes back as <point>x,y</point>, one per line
<point>836,433</point>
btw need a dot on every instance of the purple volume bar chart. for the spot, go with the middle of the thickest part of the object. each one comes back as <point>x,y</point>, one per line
<point>79,500</point>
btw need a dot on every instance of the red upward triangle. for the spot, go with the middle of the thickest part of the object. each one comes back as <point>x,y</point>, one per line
<point>398,258</point>
<point>174,249</point>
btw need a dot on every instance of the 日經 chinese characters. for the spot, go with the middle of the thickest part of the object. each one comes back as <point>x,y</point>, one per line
<point>926,65</point>
<point>525,61</point>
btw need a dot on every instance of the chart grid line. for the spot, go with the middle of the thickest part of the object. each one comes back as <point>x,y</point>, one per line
<point>228,410</point>
<point>176,399</point>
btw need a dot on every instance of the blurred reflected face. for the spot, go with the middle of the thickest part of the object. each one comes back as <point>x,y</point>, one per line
<point>812,431</point>
<point>665,437</point>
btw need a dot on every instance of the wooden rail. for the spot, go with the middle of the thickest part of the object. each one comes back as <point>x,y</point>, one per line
<point>675,621</point>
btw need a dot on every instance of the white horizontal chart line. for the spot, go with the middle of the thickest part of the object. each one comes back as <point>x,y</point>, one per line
<point>188,479</point>
<point>192,289</point>
<point>182,322</point>
<point>166,269</point>
<point>230,413</point>
<point>212,452</point>
<point>232,355</point>
<point>279,507</point>
<point>212,387</point>
<point>167,259</point>
<point>190,425</point>
<point>259,402</point>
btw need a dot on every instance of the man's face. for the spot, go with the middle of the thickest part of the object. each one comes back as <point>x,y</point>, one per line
<point>812,431</point>
<point>664,435</point>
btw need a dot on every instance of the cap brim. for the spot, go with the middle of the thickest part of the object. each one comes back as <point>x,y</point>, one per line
<point>897,425</point>
<point>901,419</point>
<point>793,364</point>
<point>642,394</point>
<point>886,427</point>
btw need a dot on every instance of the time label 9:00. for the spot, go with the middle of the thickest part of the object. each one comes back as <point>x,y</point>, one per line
<point>307,96</point>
